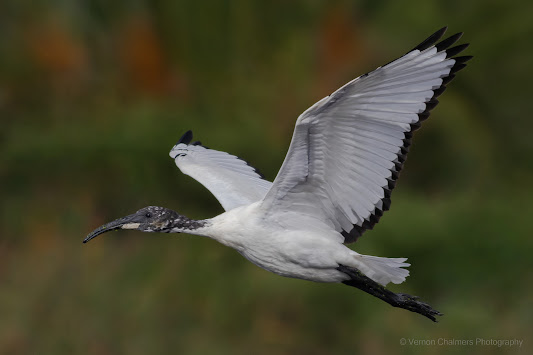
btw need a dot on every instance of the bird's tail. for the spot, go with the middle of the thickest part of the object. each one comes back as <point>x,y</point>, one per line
<point>383,270</point>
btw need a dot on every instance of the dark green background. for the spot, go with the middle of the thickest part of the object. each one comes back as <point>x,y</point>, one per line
<point>93,94</point>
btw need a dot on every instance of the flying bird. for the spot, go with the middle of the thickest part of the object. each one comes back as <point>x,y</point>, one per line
<point>334,184</point>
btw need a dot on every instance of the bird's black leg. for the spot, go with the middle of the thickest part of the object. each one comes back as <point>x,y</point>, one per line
<point>401,300</point>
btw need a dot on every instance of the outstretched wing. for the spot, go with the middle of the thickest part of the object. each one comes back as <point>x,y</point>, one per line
<point>230,179</point>
<point>348,148</point>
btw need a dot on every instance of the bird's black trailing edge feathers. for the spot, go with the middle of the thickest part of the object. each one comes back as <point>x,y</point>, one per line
<point>444,45</point>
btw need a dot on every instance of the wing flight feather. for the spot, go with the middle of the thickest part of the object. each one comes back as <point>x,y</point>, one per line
<point>230,179</point>
<point>348,149</point>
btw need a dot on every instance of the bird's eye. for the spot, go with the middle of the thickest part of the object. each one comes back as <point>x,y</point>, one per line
<point>148,215</point>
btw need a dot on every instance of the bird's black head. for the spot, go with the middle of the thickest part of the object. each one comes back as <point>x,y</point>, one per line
<point>148,219</point>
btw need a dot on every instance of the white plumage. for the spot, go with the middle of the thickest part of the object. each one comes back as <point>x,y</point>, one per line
<point>231,180</point>
<point>335,183</point>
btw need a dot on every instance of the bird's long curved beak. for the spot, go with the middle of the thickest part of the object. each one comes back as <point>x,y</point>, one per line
<point>121,223</point>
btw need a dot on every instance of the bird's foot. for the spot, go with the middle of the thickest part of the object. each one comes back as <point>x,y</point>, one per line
<point>412,304</point>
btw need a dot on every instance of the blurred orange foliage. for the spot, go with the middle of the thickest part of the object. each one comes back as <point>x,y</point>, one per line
<point>340,49</point>
<point>54,49</point>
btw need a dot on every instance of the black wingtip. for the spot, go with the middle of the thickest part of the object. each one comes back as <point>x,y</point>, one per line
<point>428,42</point>
<point>463,59</point>
<point>186,138</point>
<point>456,50</point>
<point>442,45</point>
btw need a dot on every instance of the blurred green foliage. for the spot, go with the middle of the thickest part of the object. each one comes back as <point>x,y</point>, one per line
<point>94,93</point>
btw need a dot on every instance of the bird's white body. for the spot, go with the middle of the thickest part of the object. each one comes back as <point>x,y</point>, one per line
<point>305,254</point>
<point>312,252</point>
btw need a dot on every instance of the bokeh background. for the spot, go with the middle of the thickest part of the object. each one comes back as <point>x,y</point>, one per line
<point>94,93</point>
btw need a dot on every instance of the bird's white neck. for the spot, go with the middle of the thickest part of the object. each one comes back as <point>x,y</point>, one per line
<point>230,228</point>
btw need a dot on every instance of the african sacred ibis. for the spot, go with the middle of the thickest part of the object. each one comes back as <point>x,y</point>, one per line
<point>343,162</point>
